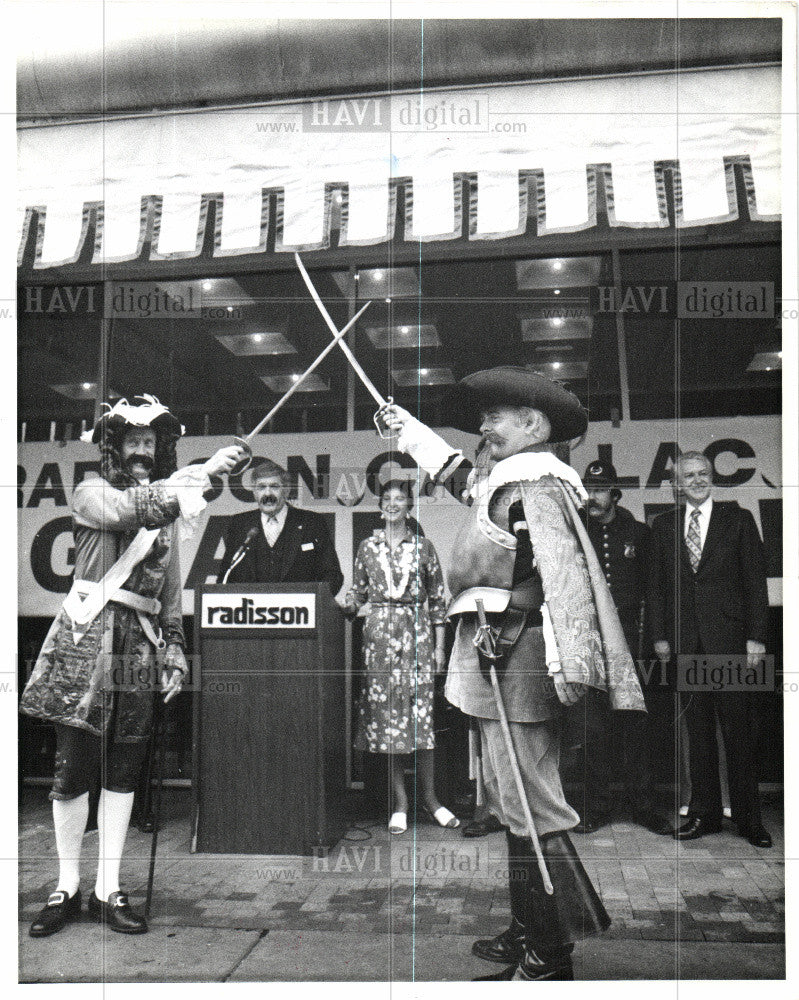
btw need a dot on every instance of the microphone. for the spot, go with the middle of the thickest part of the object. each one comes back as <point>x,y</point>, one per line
<point>241,551</point>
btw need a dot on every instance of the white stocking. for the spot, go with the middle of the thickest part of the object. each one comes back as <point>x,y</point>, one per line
<point>69,819</point>
<point>113,817</point>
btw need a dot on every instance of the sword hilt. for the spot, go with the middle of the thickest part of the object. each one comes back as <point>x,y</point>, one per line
<point>239,467</point>
<point>385,433</point>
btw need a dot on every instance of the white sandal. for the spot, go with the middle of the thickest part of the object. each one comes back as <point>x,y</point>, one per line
<point>398,823</point>
<point>445,818</point>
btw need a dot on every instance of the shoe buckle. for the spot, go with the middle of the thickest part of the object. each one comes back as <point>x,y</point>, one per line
<point>56,898</point>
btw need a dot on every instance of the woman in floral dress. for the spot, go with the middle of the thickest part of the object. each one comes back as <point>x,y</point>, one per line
<point>399,588</point>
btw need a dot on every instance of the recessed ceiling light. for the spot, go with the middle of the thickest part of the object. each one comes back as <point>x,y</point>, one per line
<point>556,364</point>
<point>556,292</point>
<point>207,286</point>
<point>230,309</point>
<point>557,265</point>
<point>259,342</point>
<point>81,390</point>
<point>538,328</point>
<point>387,338</point>
<point>282,383</point>
<point>388,300</point>
<point>765,361</point>
<point>377,275</point>
<point>411,378</point>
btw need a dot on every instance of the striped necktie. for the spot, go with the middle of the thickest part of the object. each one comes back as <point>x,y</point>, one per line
<point>694,540</point>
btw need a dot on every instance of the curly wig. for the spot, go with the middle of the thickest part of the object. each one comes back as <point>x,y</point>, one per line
<point>166,460</point>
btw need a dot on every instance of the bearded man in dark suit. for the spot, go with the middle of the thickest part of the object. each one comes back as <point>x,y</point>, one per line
<point>283,543</point>
<point>707,586</point>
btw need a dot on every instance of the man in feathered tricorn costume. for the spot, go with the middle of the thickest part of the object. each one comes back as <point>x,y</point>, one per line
<point>99,665</point>
<point>536,623</point>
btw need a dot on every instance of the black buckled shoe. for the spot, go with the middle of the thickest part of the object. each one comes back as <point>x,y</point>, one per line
<point>116,914</point>
<point>505,948</point>
<point>57,911</point>
<point>695,828</point>
<point>555,964</point>
<point>758,836</point>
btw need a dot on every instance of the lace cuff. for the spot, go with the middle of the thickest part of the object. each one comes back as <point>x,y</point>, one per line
<point>187,485</point>
<point>430,452</point>
<point>550,646</point>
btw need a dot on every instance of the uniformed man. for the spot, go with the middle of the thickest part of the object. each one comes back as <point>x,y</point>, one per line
<point>622,545</point>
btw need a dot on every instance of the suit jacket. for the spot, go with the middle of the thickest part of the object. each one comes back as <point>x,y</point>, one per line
<point>726,601</point>
<point>308,552</point>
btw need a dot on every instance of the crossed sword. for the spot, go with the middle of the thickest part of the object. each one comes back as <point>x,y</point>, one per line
<point>338,338</point>
<point>382,403</point>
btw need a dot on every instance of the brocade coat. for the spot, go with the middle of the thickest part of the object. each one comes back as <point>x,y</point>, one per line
<point>108,677</point>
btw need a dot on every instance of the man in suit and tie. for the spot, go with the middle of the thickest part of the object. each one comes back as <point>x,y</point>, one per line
<point>707,587</point>
<point>282,544</point>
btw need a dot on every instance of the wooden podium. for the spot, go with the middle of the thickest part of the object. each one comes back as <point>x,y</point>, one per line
<point>269,739</point>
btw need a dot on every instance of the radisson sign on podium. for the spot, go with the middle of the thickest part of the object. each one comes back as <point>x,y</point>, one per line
<point>269,742</point>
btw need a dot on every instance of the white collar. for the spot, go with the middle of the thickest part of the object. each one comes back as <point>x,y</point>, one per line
<point>534,465</point>
<point>703,508</point>
<point>279,519</point>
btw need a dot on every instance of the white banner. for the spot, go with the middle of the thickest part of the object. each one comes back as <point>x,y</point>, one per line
<point>335,473</point>
<point>158,174</point>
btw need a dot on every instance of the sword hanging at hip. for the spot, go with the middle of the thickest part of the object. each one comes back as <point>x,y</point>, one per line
<point>485,644</point>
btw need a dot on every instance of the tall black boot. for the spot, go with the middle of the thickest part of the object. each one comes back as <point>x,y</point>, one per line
<point>544,953</point>
<point>580,910</point>
<point>554,922</point>
<point>507,948</point>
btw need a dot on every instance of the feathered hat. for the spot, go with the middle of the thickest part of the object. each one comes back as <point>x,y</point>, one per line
<point>149,413</point>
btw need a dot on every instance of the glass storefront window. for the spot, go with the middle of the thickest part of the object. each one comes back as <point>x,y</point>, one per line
<point>431,325</point>
<point>702,337</point>
<point>58,356</point>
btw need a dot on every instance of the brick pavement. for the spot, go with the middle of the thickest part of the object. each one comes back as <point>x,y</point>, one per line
<point>433,881</point>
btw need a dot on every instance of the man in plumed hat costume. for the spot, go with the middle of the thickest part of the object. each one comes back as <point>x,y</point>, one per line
<point>523,565</point>
<point>99,665</point>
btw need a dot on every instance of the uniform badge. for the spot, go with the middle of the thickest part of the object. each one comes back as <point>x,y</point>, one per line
<point>629,552</point>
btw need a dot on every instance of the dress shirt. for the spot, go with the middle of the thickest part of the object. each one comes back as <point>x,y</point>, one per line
<point>273,524</point>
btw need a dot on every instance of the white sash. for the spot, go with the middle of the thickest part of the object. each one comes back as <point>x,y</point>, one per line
<point>84,610</point>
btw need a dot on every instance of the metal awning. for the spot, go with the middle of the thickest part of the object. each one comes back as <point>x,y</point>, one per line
<point>426,167</point>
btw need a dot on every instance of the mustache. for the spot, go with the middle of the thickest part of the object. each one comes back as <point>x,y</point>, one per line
<point>144,460</point>
<point>268,498</point>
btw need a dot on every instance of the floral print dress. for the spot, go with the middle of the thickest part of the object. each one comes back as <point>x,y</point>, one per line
<point>405,593</point>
